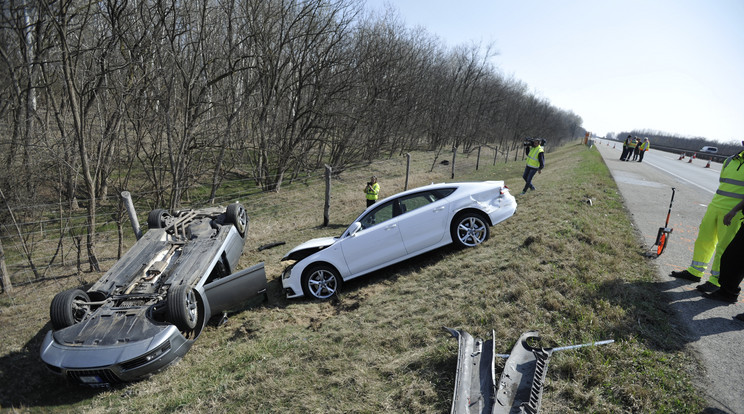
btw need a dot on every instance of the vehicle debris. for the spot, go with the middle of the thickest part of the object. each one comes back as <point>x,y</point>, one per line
<point>519,388</point>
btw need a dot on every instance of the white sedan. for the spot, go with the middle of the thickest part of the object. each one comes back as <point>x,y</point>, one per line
<point>395,229</point>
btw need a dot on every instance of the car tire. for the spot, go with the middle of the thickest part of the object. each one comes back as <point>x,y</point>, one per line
<point>237,216</point>
<point>321,282</point>
<point>183,309</point>
<point>469,229</point>
<point>66,308</point>
<point>157,219</point>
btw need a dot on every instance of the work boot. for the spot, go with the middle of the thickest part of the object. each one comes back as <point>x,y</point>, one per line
<point>721,296</point>
<point>685,275</point>
<point>707,287</point>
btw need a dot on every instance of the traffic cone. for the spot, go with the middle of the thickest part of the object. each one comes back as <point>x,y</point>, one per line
<point>694,155</point>
<point>708,164</point>
<point>690,160</point>
<point>681,156</point>
<point>613,146</point>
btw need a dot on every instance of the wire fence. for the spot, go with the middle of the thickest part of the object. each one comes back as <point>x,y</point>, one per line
<point>48,241</point>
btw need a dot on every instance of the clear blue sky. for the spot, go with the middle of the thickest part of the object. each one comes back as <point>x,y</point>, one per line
<point>675,66</point>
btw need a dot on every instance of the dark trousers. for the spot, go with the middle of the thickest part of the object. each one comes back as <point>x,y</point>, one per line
<point>640,156</point>
<point>529,172</point>
<point>370,202</point>
<point>625,154</point>
<point>732,272</point>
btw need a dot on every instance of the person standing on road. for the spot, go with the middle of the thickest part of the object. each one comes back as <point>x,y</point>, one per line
<point>642,149</point>
<point>372,190</point>
<point>713,235</point>
<point>634,146</point>
<point>732,272</point>
<point>535,162</point>
<point>626,148</point>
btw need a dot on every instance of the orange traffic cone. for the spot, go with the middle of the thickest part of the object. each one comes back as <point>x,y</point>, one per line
<point>690,159</point>
<point>708,164</point>
<point>694,155</point>
<point>681,156</point>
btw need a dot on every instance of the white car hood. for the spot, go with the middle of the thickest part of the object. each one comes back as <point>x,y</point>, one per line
<point>309,247</point>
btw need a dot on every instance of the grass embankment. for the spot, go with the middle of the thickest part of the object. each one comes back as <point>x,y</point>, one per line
<point>570,270</point>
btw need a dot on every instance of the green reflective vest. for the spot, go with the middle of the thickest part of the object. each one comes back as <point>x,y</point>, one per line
<point>533,157</point>
<point>373,191</point>
<point>731,183</point>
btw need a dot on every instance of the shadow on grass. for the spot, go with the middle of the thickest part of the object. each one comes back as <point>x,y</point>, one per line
<point>28,383</point>
<point>657,307</point>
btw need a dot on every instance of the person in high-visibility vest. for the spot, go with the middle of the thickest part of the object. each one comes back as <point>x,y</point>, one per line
<point>372,191</point>
<point>713,235</point>
<point>535,162</point>
<point>626,147</point>
<point>633,150</point>
<point>732,272</point>
<point>643,148</point>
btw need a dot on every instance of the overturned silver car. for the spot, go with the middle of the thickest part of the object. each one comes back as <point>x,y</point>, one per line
<point>147,310</point>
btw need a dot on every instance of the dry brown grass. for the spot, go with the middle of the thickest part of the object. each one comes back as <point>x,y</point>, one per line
<point>558,266</point>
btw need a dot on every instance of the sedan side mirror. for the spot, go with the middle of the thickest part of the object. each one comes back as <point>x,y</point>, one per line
<point>354,228</point>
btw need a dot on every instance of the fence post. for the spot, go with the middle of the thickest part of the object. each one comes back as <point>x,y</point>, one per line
<point>327,206</point>
<point>408,169</point>
<point>129,205</point>
<point>495,154</point>
<point>454,154</point>
<point>477,161</point>
<point>5,282</point>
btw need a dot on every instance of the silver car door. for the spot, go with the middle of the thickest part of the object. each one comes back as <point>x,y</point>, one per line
<point>233,291</point>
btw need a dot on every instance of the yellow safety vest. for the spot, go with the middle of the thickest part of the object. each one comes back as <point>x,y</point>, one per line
<point>533,159</point>
<point>373,192</point>
<point>731,183</point>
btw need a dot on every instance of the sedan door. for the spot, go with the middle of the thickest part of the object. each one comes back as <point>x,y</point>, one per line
<point>424,220</point>
<point>378,241</point>
<point>232,292</point>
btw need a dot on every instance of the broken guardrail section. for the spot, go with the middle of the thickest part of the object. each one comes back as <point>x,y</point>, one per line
<point>520,386</point>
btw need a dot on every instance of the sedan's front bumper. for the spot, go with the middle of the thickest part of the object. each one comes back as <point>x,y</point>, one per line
<point>292,284</point>
<point>100,366</point>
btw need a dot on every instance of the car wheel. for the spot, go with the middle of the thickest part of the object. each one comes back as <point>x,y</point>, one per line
<point>68,308</point>
<point>157,219</point>
<point>236,215</point>
<point>469,229</point>
<point>321,282</point>
<point>183,311</point>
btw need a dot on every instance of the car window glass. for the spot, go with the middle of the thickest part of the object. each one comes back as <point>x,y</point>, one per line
<point>378,215</point>
<point>442,192</point>
<point>412,202</point>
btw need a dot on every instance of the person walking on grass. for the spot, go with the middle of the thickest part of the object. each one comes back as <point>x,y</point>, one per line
<point>713,235</point>
<point>535,162</point>
<point>372,190</point>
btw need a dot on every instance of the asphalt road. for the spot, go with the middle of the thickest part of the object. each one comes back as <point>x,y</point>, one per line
<point>710,329</point>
